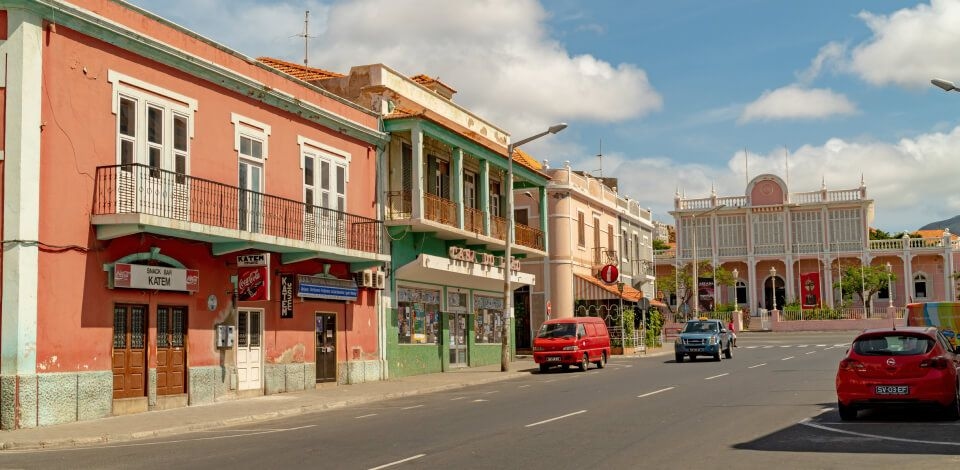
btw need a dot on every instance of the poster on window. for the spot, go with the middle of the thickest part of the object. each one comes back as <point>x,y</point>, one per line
<point>810,290</point>
<point>705,294</point>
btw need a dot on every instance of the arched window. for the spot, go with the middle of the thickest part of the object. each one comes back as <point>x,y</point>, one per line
<point>920,286</point>
<point>741,292</point>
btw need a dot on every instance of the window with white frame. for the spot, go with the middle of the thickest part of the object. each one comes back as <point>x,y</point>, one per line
<point>846,229</point>
<point>768,233</point>
<point>731,235</point>
<point>495,198</point>
<point>251,144</point>
<point>919,286</point>
<point>154,126</point>
<point>807,231</point>
<point>324,175</point>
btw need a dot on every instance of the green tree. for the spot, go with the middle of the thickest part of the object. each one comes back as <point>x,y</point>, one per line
<point>659,244</point>
<point>864,282</point>
<point>681,283</point>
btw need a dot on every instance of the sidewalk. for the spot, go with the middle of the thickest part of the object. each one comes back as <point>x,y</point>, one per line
<point>251,410</point>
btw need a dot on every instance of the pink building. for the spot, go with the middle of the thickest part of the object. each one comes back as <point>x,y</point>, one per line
<point>786,248</point>
<point>182,224</point>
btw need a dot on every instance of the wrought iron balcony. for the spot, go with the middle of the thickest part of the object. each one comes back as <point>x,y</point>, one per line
<point>528,236</point>
<point>439,209</point>
<point>141,189</point>
<point>472,220</point>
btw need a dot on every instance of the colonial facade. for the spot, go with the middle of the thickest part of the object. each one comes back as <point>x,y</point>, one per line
<point>179,229</point>
<point>590,226</point>
<point>445,192</point>
<point>790,247</point>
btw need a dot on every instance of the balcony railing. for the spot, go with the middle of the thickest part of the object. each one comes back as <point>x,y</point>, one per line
<point>498,228</point>
<point>439,209</point>
<point>399,205</point>
<point>528,236</point>
<point>141,189</point>
<point>473,220</point>
<point>603,256</point>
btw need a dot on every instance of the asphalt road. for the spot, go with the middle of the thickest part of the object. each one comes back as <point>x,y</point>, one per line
<point>771,406</point>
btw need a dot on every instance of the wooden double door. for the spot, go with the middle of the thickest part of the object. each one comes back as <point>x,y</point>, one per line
<point>131,352</point>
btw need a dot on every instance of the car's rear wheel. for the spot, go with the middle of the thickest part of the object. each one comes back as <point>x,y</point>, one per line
<point>544,367</point>
<point>729,351</point>
<point>847,413</point>
<point>953,409</point>
<point>603,360</point>
<point>584,363</point>
<point>678,357</point>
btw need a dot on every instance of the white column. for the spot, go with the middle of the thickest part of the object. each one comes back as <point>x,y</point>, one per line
<point>752,284</point>
<point>21,198</point>
<point>416,142</point>
<point>456,188</point>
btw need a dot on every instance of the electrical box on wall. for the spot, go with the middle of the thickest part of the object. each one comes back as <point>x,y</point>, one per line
<point>379,280</point>
<point>225,335</point>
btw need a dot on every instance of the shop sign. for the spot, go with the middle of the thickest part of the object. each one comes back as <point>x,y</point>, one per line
<point>316,287</point>
<point>139,276</point>
<point>491,303</point>
<point>486,259</point>
<point>253,283</point>
<point>286,296</point>
<point>255,259</point>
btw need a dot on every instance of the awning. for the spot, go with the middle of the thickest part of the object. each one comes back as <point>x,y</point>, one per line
<point>591,288</point>
<point>450,272</point>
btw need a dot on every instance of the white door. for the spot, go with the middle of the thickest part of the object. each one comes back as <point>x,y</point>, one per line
<point>249,349</point>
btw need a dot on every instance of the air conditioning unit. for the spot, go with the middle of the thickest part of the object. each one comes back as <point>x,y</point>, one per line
<point>365,278</point>
<point>380,280</point>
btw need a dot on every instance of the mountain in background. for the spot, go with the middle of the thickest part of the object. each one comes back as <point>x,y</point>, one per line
<point>952,223</point>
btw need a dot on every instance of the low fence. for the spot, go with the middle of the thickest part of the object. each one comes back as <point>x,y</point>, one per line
<point>846,319</point>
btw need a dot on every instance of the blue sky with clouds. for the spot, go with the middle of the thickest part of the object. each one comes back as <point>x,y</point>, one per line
<point>676,91</point>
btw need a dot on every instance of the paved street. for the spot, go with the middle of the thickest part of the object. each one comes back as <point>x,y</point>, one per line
<point>772,405</point>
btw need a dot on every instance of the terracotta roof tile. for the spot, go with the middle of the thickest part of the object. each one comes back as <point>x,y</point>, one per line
<point>935,233</point>
<point>426,80</point>
<point>299,71</point>
<point>526,160</point>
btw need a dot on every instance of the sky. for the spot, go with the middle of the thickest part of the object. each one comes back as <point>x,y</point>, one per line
<point>680,95</point>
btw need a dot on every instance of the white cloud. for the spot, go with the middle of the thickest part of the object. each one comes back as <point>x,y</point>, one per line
<point>794,102</point>
<point>912,179</point>
<point>910,46</point>
<point>830,56</point>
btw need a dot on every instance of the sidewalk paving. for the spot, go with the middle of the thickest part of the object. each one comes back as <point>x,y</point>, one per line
<point>250,410</point>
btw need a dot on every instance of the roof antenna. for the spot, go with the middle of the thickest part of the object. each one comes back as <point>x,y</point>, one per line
<point>600,156</point>
<point>306,36</point>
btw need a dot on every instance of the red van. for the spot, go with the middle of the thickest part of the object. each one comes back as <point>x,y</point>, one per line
<point>568,341</point>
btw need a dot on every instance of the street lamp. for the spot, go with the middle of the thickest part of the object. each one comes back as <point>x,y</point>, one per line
<point>695,282</point>
<point>889,286</point>
<point>735,274</point>
<point>945,85</point>
<point>507,259</point>
<point>773,286</point>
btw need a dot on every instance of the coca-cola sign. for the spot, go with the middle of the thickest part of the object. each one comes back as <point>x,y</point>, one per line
<point>139,276</point>
<point>253,283</point>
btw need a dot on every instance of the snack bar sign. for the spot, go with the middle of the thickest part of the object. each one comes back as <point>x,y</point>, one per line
<point>138,276</point>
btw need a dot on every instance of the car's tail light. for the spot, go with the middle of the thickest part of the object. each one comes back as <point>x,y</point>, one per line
<point>851,365</point>
<point>938,362</point>
<point>537,348</point>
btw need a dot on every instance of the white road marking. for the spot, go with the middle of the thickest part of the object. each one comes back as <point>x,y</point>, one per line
<point>478,400</point>
<point>787,358</point>
<point>752,347</point>
<point>716,376</point>
<point>548,381</point>
<point>554,419</point>
<point>757,365</point>
<point>458,398</point>
<point>655,392</point>
<point>491,392</point>
<point>821,345</point>
<point>411,407</point>
<point>767,347</point>
<point>786,346</point>
<point>802,346</point>
<point>811,352</point>
<point>806,422</point>
<point>839,345</point>
<point>525,386</point>
<point>398,462</point>
<point>365,416</point>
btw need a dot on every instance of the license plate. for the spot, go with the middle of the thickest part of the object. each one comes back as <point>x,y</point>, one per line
<point>695,349</point>
<point>893,390</point>
<point>553,358</point>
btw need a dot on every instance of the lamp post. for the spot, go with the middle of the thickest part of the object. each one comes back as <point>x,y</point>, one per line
<point>945,85</point>
<point>735,274</point>
<point>507,315</point>
<point>889,286</point>
<point>623,335</point>
<point>695,282</point>
<point>773,286</point>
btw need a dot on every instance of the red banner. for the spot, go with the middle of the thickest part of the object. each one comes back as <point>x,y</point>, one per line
<point>810,290</point>
<point>253,283</point>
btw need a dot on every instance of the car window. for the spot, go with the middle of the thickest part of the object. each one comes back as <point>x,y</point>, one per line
<point>893,345</point>
<point>700,327</point>
<point>580,331</point>
<point>556,330</point>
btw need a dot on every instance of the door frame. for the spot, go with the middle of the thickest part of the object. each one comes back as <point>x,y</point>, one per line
<point>186,342</point>
<point>316,346</point>
<point>129,306</point>
<point>236,348</point>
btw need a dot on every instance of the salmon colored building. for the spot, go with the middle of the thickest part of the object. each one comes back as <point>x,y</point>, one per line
<point>182,224</point>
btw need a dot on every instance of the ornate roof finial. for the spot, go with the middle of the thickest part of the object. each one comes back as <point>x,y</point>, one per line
<point>713,189</point>
<point>862,182</point>
<point>823,182</point>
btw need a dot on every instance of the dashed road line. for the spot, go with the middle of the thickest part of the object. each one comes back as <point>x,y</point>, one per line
<point>412,407</point>
<point>787,358</point>
<point>398,462</point>
<point>807,422</point>
<point>717,376</point>
<point>365,416</point>
<point>757,365</point>
<point>811,352</point>
<point>655,392</point>
<point>554,419</point>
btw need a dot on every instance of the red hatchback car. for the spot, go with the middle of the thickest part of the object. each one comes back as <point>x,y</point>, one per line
<point>898,367</point>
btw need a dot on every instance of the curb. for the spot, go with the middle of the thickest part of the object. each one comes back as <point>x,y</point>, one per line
<point>120,437</point>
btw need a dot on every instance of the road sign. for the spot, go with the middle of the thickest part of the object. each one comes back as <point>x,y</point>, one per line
<point>609,274</point>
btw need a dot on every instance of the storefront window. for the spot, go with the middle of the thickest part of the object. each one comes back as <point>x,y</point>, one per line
<point>419,315</point>
<point>488,319</point>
